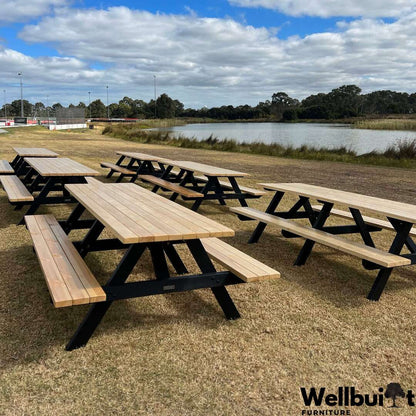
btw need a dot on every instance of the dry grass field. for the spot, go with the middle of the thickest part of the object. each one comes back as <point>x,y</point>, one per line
<point>176,354</point>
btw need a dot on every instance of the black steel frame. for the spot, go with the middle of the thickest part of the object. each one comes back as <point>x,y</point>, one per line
<point>116,287</point>
<point>303,209</point>
<point>43,186</point>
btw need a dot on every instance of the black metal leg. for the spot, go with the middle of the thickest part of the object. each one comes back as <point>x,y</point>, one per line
<point>204,263</point>
<point>379,284</point>
<point>402,236</point>
<point>174,258</point>
<point>308,245</point>
<point>73,218</point>
<point>98,310</point>
<point>237,190</point>
<point>38,200</point>
<point>159,261</point>
<point>90,238</point>
<point>270,210</point>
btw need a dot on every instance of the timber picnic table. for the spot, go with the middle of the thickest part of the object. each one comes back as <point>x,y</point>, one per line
<point>138,164</point>
<point>399,218</point>
<point>135,219</point>
<point>18,163</point>
<point>209,186</point>
<point>46,175</point>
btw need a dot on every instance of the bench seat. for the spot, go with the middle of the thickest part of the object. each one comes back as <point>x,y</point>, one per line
<point>163,183</point>
<point>15,189</point>
<point>237,262</point>
<point>6,168</point>
<point>386,225</point>
<point>68,278</point>
<point>227,185</point>
<point>353,248</point>
<point>117,168</point>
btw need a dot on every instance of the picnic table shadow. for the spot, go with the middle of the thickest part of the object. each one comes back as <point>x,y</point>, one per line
<point>326,274</point>
<point>32,326</point>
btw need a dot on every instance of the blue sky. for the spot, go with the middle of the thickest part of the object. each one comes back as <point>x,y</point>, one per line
<point>204,52</point>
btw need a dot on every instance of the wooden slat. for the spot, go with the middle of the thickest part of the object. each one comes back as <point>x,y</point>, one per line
<point>117,168</point>
<point>181,190</point>
<point>134,214</point>
<point>362,251</point>
<point>141,156</point>
<point>394,209</point>
<point>68,278</point>
<point>59,167</point>
<point>5,168</point>
<point>368,220</point>
<point>207,170</point>
<point>227,185</point>
<point>15,189</point>
<point>34,152</point>
<point>242,265</point>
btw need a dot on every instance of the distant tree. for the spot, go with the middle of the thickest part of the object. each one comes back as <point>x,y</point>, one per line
<point>98,109</point>
<point>166,107</point>
<point>344,101</point>
<point>393,391</point>
<point>281,102</point>
<point>14,109</point>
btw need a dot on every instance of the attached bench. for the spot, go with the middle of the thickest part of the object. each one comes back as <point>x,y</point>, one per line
<point>6,168</point>
<point>174,187</point>
<point>227,185</point>
<point>374,255</point>
<point>69,279</point>
<point>368,220</point>
<point>116,168</point>
<point>16,190</point>
<point>237,262</point>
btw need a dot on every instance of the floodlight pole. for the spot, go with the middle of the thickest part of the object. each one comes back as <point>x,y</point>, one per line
<point>47,111</point>
<point>20,74</point>
<point>108,108</point>
<point>5,105</point>
<point>154,83</point>
<point>89,102</point>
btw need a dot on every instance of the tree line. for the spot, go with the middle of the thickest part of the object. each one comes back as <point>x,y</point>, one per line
<point>342,102</point>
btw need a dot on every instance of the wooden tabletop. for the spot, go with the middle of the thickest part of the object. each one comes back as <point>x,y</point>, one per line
<point>59,167</point>
<point>398,210</point>
<point>135,215</point>
<point>34,152</point>
<point>206,170</point>
<point>143,156</point>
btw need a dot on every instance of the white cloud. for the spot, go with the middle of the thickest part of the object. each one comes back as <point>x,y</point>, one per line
<point>23,10</point>
<point>328,8</point>
<point>204,61</point>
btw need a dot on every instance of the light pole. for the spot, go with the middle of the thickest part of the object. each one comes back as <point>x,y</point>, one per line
<point>108,108</point>
<point>47,111</point>
<point>5,105</point>
<point>89,102</point>
<point>154,84</point>
<point>20,74</point>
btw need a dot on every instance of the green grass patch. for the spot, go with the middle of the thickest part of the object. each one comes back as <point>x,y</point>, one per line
<point>386,124</point>
<point>402,154</point>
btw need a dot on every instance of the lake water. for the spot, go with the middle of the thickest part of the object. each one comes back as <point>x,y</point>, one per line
<point>297,134</point>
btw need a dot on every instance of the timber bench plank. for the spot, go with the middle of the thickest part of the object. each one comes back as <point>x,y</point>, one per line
<point>226,185</point>
<point>118,168</point>
<point>368,220</point>
<point>242,265</point>
<point>163,183</point>
<point>68,278</point>
<point>372,254</point>
<point>6,168</point>
<point>15,189</point>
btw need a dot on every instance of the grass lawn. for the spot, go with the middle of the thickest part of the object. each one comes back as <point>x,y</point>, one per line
<point>176,354</point>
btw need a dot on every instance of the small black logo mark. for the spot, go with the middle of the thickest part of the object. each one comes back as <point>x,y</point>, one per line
<point>393,391</point>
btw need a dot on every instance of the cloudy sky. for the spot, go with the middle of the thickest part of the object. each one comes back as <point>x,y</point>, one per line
<point>204,52</point>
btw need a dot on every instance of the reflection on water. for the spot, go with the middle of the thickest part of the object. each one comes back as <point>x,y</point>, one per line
<point>297,134</point>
